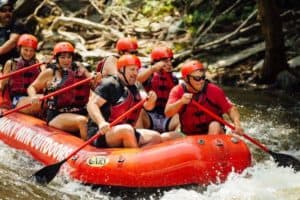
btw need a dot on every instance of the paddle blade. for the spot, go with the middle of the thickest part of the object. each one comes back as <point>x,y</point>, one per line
<point>46,174</point>
<point>286,160</point>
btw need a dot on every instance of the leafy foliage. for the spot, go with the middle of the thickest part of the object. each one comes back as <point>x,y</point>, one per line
<point>158,9</point>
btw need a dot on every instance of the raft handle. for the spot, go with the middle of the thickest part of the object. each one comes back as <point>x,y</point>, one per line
<point>121,159</point>
<point>201,141</point>
<point>219,143</point>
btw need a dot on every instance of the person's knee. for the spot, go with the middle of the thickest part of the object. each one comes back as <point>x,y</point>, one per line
<point>82,121</point>
<point>156,138</point>
<point>215,128</point>
<point>126,131</point>
<point>150,137</point>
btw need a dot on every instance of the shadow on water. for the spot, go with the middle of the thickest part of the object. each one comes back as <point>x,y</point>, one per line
<point>140,193</point>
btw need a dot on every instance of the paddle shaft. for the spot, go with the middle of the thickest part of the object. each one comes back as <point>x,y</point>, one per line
<point>57,92</point>
<point>116,121</point>
<point>21,70</point>
<point>264,148</point>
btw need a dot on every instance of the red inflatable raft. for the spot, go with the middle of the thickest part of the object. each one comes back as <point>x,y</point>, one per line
<point>191,160</point>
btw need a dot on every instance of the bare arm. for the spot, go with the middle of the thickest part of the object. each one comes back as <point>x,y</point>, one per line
<point>93,108</point>
<point>110,66</point>
<point>6,70</point>
<point>235,117</point>
<point>9,44</point>
<point>173,108</point>
<point>151,101</point>
<point>146,73</point>
<point>40,82</point>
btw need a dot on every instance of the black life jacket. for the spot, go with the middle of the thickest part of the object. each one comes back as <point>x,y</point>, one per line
<point>126,101</point>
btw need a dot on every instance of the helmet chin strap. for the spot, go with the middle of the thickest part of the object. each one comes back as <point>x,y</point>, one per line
<point>189,83</point>
<point>123,74</point>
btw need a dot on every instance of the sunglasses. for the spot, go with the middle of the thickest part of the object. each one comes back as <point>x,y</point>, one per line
<point>198,78</point>
<point>6,9</point>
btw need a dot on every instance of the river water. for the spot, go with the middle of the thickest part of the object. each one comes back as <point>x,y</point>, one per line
<point>274,120</point>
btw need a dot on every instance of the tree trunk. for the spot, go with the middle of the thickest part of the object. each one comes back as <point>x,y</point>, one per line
<point>271,25</point>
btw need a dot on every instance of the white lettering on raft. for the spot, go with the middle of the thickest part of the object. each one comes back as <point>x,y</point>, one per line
<point>32,138</point>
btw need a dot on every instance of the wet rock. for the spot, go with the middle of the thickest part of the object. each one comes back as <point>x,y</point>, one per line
<point>287,81</point>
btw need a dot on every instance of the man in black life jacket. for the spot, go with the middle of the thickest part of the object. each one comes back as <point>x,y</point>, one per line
<point>114,96</point>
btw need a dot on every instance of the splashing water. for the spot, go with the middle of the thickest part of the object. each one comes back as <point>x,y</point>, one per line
<point>275,126</point>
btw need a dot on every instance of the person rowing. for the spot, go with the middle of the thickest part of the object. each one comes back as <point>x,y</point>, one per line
<point>114,96</point>
<point>196,88</point>
<point>159,78</point>
<point>66,111</point>
<point>15,86</point>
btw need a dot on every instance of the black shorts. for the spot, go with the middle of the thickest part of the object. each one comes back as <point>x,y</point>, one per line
<point>100,142</point>
<point>52,113</point>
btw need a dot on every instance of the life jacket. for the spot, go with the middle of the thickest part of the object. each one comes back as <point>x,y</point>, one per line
<point>19,83</point>
<point>161,83</point>
<point>193,120</point>
<point>126,101</point>
<point>74,98</point>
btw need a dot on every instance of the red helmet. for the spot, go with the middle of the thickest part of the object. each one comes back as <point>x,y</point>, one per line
<point>27,40</point>
<point>127,44</point>
<point>126,60</point>
<point>191,66</point>
<point>63,47</point>
<point>159,53</point>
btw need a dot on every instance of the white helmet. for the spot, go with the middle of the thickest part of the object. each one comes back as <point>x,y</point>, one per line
<point>6,2</point>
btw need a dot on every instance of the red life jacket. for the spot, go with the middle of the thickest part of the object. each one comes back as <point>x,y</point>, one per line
<point>127,101</point>
<point>193,120</point>
<point>76,97</point>
<point>161,83</point>
<point>19,83</point>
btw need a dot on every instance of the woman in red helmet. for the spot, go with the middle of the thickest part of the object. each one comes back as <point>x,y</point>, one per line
<point>17,84</point>
<point>196,87</point>
<point>114,96</point>
<point>160,79</point>
<point>65,111</point>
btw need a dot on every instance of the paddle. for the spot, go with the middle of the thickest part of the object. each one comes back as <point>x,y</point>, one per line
<point>282,159</point>
<point>46,174</point>
<point>21,70</point>
<point>47,96</point>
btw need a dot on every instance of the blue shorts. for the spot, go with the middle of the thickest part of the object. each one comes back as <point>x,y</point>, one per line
<point>159,122</point>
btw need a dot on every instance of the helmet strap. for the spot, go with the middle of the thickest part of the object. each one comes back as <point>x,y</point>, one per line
<point>123,74</point>
<point>190,84</point>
